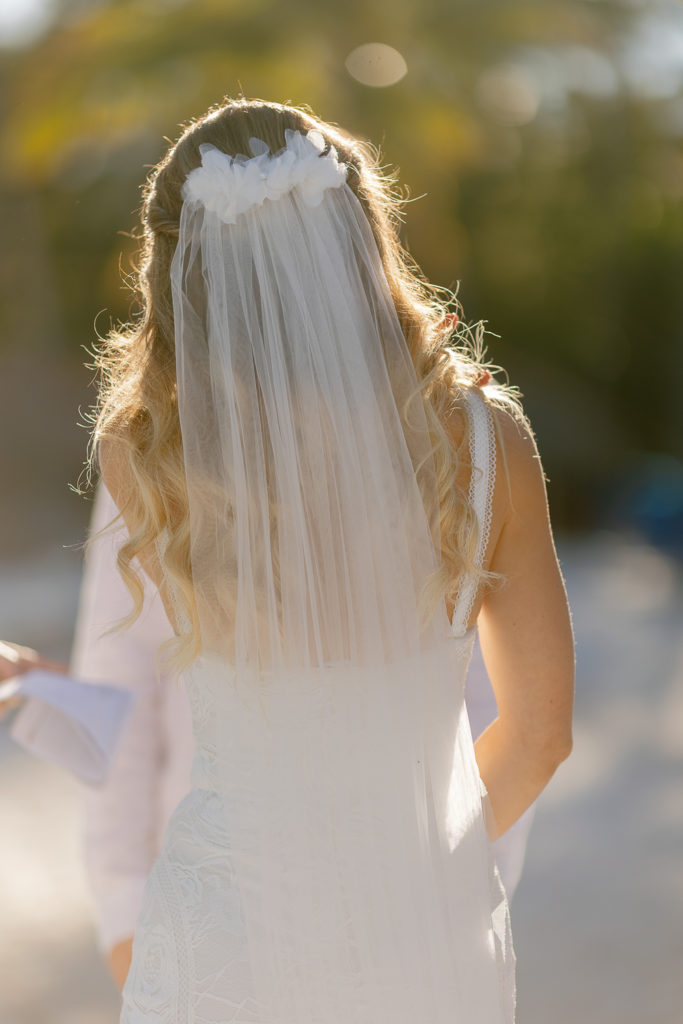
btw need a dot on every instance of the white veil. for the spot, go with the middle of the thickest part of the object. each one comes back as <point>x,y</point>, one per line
<point>338,729</point>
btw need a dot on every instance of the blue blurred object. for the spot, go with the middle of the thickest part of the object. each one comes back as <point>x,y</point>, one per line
<point>650,501</point>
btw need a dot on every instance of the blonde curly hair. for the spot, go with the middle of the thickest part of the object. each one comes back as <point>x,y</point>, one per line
<point>137,402</point>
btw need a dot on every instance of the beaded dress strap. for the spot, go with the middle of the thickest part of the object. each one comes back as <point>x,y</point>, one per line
<point>482,445</point>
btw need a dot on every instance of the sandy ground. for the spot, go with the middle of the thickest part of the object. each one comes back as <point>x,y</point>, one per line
<point>598,915</point>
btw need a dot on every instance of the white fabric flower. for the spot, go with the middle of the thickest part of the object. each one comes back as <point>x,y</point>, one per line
<point>228,186</point>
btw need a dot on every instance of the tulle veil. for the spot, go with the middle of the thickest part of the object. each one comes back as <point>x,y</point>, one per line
<point>342,752</point>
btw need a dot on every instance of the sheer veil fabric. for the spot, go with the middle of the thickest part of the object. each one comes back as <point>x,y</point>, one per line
<point>343,755</point>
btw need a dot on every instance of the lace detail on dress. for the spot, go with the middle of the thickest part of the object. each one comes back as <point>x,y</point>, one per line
<point>190,963</point>
<point>482,445</point>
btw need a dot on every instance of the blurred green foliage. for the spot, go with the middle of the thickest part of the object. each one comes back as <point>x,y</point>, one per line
<point>547,181</point>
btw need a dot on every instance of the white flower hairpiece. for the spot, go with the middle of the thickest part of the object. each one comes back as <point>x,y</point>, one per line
<point>230,185</point>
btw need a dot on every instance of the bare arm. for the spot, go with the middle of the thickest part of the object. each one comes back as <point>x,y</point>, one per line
<point>526,640</point>
<point>119,959</point>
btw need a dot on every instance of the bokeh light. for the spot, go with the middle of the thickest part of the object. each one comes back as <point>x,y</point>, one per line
<point>376,64</point>
<point>509,95</point>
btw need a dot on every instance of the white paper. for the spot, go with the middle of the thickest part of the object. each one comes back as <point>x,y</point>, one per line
<point>73,723</point>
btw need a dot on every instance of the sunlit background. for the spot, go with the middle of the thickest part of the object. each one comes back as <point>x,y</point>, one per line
<point>542,146</point>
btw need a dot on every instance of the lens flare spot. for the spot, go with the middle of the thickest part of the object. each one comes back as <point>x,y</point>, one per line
<point>376,64</point>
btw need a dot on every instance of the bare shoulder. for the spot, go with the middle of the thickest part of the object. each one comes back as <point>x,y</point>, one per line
<point>516,443</point>
<point>514,430</point>
<point>519,490</point>
<point>525,548</point>
<point>521,478</point>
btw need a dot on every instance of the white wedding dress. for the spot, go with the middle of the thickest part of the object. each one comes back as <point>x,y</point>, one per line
<point>190,962</point>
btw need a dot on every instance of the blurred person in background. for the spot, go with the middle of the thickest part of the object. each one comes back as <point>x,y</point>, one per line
<point>316,867</point>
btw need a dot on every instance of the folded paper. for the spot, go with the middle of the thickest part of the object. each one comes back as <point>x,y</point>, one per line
<point>73,723</point>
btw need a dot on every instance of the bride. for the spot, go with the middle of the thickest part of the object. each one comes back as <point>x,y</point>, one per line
<point>330,492</point>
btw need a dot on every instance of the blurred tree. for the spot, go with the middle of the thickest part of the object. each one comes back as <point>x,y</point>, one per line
<point>551,185</point>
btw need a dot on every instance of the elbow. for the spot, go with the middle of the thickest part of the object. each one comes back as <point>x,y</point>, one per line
<point>552,750</point>
<point>545,743</point>
<point>563,748</point>
<point>548,748</point>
